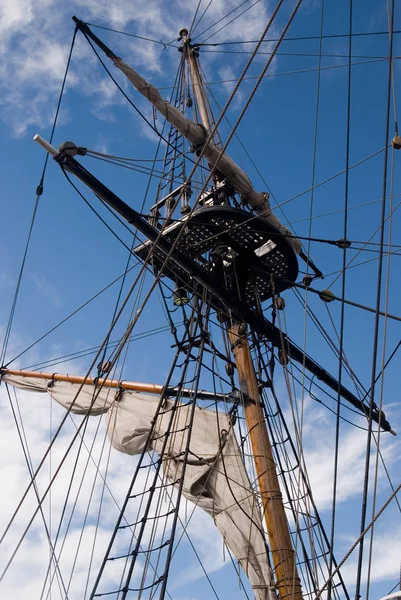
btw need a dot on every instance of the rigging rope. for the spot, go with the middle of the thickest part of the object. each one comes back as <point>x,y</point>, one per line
<point>378,301</point>
<point>229,22</point>
<point>39,192</point>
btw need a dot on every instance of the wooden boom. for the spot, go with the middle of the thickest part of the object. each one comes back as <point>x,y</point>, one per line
<point>134,386</point>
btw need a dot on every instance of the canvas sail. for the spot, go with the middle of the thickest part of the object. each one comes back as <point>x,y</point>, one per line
<point>197,135</point>
<point>215,477</point>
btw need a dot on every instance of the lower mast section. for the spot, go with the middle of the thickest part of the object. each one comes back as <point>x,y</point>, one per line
<point>283,555</point>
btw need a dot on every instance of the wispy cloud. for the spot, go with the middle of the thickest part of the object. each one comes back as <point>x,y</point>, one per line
<point>35,38</point>
<point>45,289</point>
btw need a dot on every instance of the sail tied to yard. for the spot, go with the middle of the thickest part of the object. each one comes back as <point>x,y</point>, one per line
<point>197,135</point>
<point>215,478</point>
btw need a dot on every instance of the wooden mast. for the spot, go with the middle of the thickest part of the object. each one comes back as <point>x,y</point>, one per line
<point>283,555</point>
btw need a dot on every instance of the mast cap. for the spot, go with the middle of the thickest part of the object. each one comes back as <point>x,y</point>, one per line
<point>183,32</point>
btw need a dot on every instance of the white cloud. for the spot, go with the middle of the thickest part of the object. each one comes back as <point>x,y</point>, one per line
<point>35,38</point>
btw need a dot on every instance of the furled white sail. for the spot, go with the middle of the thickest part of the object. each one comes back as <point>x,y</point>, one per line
<point>215,478</point>
<point>197,136</point>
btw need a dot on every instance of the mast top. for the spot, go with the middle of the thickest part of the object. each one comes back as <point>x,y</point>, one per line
<point>183,33</point>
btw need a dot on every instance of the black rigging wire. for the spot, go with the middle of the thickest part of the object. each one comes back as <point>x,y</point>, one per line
<point>194,17</point>
<point>80,194</point>
<point>140,37</point>
<point>308,37</point>
<point>283,73</point>
<point>296,54</point>
<point>39,192</point>
<point>28,460</point>
<point>229,22</point>
<point>202,15</point>
<point>378,301</point>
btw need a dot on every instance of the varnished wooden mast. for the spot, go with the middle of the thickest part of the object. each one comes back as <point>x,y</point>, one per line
<point>134,386</point>
<point>283,555</point>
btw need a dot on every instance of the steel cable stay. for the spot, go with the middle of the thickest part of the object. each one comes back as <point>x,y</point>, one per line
<point>390,12</point>
<point>83,353</point>
<point>360,538</point>
<point>329,214</point>
<point>383,362</point>
<point>232,20</point>
<point>131,35</point>
<point>75,504</point>
<point>309,37</point>
<point>303,54</point>
<point>285,73</point>
<point>41,509</point>
<point>80,486</point>
<point>377,230</point>
<point>287,39</point>
<point>220,20</point>
<point>39,192</point>
<point>195,25</point>
<point>25,448</point>
<point>310,224</point>
<point>73,313</point>
<point>195,15</point>
<point>331,344</point>
<point>361,391</point>
<point>312,380</point>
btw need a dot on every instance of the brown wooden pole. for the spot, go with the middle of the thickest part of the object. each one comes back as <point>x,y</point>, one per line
<point>283,555</point>
<point>150,388</point>
<point>197,81</point>
<point>135,386</point>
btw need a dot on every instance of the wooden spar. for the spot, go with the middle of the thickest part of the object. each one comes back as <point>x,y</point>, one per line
<point>283,555</point>
<point>287,580</point>
<point>134,386</point>
<point>197,84</point>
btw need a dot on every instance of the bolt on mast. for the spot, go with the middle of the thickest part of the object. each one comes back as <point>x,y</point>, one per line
<point>283,555</point>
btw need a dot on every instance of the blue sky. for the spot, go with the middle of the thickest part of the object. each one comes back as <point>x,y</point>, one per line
<point>72,256</point>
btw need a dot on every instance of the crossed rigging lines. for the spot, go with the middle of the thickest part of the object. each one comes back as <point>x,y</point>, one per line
<point>209,4</point>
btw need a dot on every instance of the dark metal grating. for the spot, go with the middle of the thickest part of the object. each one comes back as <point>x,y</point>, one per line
<point>261,251</point>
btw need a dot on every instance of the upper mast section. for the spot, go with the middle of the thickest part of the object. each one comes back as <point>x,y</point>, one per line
<point>191,54</point>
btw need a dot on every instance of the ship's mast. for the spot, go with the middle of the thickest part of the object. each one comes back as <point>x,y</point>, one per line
<point>284,560</point>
